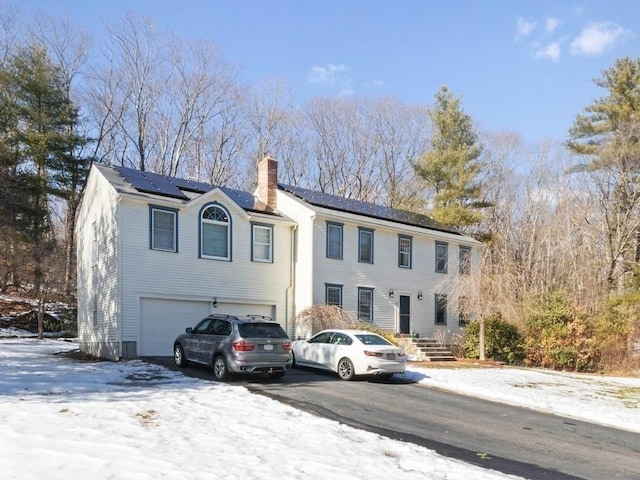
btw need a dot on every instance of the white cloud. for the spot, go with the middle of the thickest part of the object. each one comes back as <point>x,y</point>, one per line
<point>375,83</point>
<point>346,90</point>
<point>551,24</point>
<point>524,27</point>
<point>598,37</point>
<point>327,75</point>
<point>550,52</point>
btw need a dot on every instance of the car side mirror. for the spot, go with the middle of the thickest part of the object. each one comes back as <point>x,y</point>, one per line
<point>189,330</point>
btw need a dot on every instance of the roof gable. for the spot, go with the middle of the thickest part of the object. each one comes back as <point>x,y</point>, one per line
<point>334,202</point>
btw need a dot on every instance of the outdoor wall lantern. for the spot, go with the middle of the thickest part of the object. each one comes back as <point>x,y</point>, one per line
<point>420,295</point>
<point>391,293</point>
<point>214,302</point>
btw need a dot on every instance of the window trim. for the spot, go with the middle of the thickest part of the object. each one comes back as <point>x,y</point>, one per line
<point>409,254</point>
<point>446,257</point>
<point>152,234</point>
<point>369,231</point>
<point>229,232</point>
<point>439,298</point>
<point>340,227</point>
<point>464,260</point>
<point>327,287</point>
<point>265,226</point>
<point>370,291</point>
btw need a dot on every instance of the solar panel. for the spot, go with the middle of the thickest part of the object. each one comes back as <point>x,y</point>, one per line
<point>191,185</point>
<point>151,183</point>
<point>164,185</point>
<point>350,205</point>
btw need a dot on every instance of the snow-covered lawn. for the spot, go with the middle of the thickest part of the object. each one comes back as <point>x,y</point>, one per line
<point>62,419</point>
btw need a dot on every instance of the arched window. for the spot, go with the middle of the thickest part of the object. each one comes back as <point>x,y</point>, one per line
<point>215,233</point>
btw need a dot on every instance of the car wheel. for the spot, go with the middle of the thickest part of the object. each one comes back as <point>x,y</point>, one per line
<point>178,356</point>
<point>220,370</point>
<point>293,361</point>
<point>345,369</point>
<point>276,374</point>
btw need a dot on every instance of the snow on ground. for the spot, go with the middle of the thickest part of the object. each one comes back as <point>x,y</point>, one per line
<point>612,401</point>
<point>61,418</point>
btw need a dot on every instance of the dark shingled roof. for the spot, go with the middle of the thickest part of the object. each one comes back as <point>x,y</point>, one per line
<point>334,202</point>
<point>166,186</point>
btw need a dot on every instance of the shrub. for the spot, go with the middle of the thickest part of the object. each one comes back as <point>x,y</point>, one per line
<point>503,341</point>
<point>559,338</point>
<point>615,329</point>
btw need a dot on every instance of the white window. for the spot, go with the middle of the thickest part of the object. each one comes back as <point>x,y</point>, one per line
<point>441,308</point>
<point>442,254</point>
<point>262,243</point>
<point>334,240</point>
<point>365,304</point>
<point>465,261</point>
<point>163,229</point>
<point>365,245</point>
<point>215,234</point>
<point>404,251</point>
<point>333,294</point>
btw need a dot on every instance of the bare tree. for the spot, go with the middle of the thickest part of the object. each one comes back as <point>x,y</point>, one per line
<point>9,31</point>
<point>129,89</point>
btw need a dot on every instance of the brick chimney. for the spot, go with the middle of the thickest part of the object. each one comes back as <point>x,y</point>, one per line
<point>268,181</point>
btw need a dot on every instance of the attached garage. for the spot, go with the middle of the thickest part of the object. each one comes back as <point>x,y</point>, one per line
<point>162,320</point>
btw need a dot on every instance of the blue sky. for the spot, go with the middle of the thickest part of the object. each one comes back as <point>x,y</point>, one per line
<point>523,66</point>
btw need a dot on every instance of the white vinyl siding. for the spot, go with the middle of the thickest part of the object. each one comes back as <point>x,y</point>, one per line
<point>98,267</point>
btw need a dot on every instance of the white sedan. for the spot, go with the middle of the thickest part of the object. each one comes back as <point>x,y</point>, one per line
<point>350,353</point>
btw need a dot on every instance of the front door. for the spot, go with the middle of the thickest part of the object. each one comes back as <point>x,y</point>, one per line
<point>405,313</point>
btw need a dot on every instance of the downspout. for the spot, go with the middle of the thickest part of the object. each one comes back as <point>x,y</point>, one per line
<point>290,292</point>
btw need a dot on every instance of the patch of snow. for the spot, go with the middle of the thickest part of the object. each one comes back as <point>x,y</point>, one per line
<point>61,418</point>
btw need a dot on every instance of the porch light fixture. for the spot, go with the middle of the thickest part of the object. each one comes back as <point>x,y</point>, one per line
<point>420,295</point>
<point>214,302</point>
<point>391,293</point>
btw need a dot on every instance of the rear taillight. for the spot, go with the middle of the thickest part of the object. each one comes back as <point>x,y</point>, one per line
<point>243,346</point>
<point>372,354</point>
<point>286,346</point>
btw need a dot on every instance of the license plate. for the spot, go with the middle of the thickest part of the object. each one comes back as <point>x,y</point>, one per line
<point>391,356</point>
<point>268,347</point>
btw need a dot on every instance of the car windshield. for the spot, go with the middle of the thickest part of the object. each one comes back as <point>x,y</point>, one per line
<point>261,330</point>
<point>372,339</point>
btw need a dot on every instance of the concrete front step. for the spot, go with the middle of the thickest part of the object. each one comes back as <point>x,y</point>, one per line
<point>433,351</point>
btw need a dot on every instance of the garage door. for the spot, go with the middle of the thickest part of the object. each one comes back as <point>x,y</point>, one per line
<point>162,320</point>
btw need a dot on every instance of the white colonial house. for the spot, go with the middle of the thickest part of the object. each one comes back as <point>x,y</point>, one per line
<point>156,254</point>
